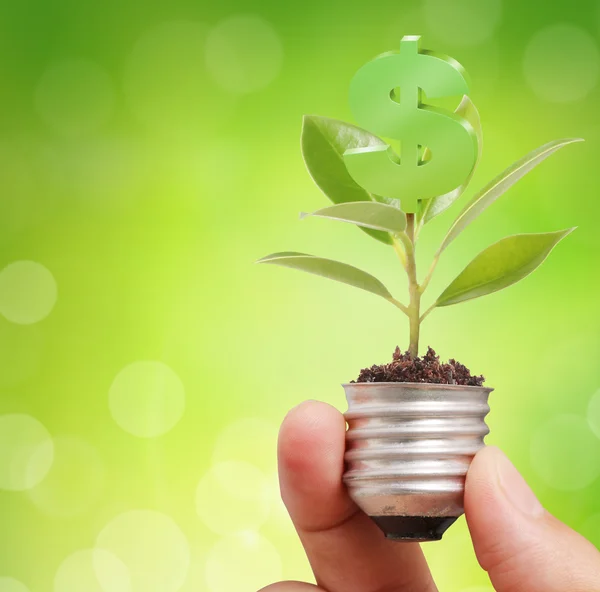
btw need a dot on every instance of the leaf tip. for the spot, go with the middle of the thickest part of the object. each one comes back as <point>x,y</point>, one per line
<point>303,215</point>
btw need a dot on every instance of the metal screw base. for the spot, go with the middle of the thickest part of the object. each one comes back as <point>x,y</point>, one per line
<point>408,450</point>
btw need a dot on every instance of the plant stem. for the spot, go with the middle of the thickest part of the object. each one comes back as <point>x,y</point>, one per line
<point>399,305</point>
<point>430,272</point>
<point>429,310</point>
<point>414,306</point>
<point>400,252</point>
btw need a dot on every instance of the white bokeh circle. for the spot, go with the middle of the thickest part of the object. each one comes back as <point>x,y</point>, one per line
<point>75,96</point>
<point>75,482</point>
<point>26,452</point>
<point>562,63</point>
<point>593,413</point>
<point>463,22</point>
<point>28,292</point>
<point>279,518</point>
<point>565,453</point>
<point>147,399</point>
<point>249,439</point>
<point>92,570</point>
<point>152,547</point>
<point>234,496</point>
<point>244,54</point>
<point>12,585</point>
<point>244,562</point>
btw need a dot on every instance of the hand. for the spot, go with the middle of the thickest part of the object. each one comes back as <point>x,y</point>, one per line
<point>520,545</point>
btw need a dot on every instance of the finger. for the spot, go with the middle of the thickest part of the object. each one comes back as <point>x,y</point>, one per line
<point>345,548</point>
<point>520,545</point>
<point>291,587</point>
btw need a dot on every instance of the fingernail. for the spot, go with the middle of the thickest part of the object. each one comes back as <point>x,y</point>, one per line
<point>515,488</point>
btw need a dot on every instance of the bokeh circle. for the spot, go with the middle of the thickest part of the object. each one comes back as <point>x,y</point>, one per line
<point>92,570</point>
<point>234,496</point>
<point>244,54</point>
<point>244,562</point>
<point>75,482</point>
<point>12,585</point>
<point>26,452</point>
<point>151,546</point>
<point>249,439</point>
<point>147,399</point>
<point>562,63</point>
<point>28,292</point>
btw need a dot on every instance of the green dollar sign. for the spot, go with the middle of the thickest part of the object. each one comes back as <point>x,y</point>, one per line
<point>386,98</point>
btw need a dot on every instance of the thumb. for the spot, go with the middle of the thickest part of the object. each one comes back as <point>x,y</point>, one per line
<point>520,545</point>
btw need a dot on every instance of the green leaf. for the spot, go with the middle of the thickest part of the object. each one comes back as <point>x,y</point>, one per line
<point>500,265</point>
<point>437,205</point>
<point>334,270</point>
<point>324,142</point>
<point>491,192</point>
<point>368,214</point>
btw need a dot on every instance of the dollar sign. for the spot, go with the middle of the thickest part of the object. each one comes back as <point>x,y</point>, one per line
<point>450,139</point>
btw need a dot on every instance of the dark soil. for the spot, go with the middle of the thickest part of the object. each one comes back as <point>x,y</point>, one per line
<point>428,368</point>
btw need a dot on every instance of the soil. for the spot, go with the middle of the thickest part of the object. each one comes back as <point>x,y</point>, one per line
<point>428,368</point>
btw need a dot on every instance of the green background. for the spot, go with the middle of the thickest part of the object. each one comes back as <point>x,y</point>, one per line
<point>149,154</point>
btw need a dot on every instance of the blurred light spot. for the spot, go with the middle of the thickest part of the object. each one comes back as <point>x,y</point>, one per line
<point>233,496</point>
<point>463,22</point>
<point>75,97</point>
<point>26,452</point>
<point>21,348</point>
<point>152,547</point>
<point>75,482</point>
<point>147,399</point>
<point>244,562</point>
<point>591,529</point>
<point>92,570</point>
<point>27,292</point>
<point>166,83</point>
<point>593,413</point>
<point>562,63</point>
<point>12,585</point>
<point>252,440</point>
<point>243,54</point>
<point>565,453</point>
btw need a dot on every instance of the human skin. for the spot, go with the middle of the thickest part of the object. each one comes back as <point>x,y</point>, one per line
<point>521,546</point>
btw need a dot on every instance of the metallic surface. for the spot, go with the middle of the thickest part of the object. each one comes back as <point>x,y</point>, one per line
<point>409,446</point>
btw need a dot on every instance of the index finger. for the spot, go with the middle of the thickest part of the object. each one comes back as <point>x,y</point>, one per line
<point>345,548</point>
